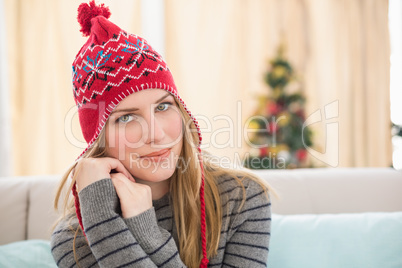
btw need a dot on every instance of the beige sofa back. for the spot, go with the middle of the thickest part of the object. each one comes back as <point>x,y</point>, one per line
<point>335,190</point>
<point>26,207</point>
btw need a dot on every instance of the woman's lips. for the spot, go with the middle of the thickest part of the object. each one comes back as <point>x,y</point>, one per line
<point>157,155</point>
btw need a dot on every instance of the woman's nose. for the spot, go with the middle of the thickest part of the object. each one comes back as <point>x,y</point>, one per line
<point>155,132</point>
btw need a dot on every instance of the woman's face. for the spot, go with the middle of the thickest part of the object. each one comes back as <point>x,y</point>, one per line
<point>145,133</point>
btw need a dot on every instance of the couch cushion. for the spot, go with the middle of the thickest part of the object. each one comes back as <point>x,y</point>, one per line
<point>28,253</point>
<point>336,240</point>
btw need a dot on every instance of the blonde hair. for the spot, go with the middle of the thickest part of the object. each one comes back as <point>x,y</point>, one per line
<point>184,194</point>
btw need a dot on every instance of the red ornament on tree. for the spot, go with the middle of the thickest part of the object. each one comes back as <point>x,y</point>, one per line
<point>301,154</point>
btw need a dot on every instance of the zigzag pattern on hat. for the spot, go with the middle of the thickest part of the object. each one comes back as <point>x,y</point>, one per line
<point>127,46</point>
<point>96,68</point>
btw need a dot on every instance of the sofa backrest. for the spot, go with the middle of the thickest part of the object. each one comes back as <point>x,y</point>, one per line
<point>26,206</point>
<point>335,190</point>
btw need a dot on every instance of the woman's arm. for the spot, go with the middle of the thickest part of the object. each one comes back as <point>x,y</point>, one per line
<point>249,231</point>
<point>157,242</point>
<point>62,246</point>
<point>110,242</point>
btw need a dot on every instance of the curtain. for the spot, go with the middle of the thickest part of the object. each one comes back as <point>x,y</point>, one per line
<point>5,126</point>
<point>219,50</point>
<point>43,38</point>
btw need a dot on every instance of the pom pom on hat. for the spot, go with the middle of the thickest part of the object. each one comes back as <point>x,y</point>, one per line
<point>86,12</point>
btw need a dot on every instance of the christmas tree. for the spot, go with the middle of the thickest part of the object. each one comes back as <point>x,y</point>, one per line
<point>278,138</point>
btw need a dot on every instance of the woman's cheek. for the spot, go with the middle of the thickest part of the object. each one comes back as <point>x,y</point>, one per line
<point>175,128</point>
<point>131,136</point>
<point>112,141</point>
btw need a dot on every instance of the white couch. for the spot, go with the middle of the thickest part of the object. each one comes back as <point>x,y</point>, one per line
<point>26,207</point>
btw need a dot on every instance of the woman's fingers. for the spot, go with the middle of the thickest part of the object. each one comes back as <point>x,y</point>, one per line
<point>119,167</point>
<point>120,184</point>
<point>90,170</point>
<point>134,198</point>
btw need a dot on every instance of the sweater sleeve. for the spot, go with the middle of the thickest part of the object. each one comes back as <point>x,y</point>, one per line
<point>109,241</point>
<point>249,231</point>
<point>157,242</point>
<point>62,246</point>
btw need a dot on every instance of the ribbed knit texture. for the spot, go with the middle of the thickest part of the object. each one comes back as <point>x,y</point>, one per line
<point>150,239</point>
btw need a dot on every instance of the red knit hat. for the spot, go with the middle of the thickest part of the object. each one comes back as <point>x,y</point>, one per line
<point>110,66</point>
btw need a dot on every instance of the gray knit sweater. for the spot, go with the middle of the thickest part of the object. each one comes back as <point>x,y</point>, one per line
<point>150,239</point>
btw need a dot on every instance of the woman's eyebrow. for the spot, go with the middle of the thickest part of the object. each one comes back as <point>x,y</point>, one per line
<point>135,109</point>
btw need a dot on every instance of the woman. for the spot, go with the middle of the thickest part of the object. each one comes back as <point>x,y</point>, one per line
<point>144,195</point>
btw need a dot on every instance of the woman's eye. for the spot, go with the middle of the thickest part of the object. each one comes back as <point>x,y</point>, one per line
<point>125,118</point>
<point>163,106</point>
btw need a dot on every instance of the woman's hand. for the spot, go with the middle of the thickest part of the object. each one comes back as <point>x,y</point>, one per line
<point>90,170</point>
<point>135,198</point>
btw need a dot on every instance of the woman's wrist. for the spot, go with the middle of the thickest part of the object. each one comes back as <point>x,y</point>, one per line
<point>144,227</point>
<point>98,199</point>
